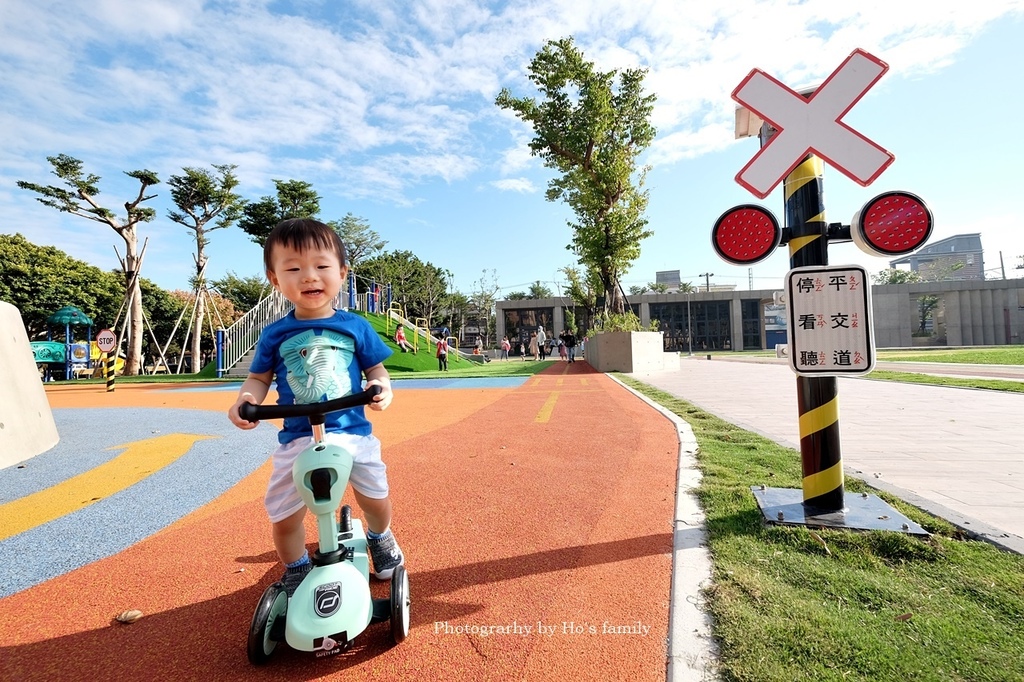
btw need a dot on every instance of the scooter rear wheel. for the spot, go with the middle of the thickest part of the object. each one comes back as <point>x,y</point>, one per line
<point>273,605</point>
<point>400,603</point>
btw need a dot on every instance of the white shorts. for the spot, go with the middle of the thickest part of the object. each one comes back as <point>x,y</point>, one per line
<point>369,475</point>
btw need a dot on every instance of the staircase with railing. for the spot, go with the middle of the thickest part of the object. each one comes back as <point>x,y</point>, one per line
<point>241,337</point>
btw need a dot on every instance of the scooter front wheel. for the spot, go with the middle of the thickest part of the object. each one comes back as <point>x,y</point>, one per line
<point>273,606</point>
<point>400,603</point>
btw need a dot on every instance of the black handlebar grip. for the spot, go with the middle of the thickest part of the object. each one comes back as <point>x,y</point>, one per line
<point>253,413</point>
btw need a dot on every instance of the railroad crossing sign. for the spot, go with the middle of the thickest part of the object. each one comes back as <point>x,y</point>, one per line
<point>830,323</point>
<point>812,126</point>
<point>106,341</point>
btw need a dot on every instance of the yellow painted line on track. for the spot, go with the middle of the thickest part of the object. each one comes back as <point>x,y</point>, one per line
<point>549,406</point>
<point>140,459</point>
<point>559,381</point>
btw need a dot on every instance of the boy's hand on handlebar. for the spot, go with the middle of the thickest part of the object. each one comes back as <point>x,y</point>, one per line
<point>236,419</point>
<point>382,399</point>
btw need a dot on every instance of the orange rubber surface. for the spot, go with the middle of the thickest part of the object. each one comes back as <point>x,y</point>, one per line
<point>548,505</point>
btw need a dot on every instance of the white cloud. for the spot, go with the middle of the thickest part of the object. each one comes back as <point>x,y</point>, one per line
<point>390,95</point>
<point>522,185</point>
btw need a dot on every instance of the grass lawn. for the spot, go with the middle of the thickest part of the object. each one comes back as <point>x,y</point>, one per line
<point>958,382</point>
<point>987,355</point>
<point>791,604</point>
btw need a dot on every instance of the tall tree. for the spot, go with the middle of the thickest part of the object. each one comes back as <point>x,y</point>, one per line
<point>360,241</point>
<point>295,199</point>
<point>80,187</point>
<point>243,292</point>
<point>591,127</point>
<point>203,197</point>
<point>484,294</point>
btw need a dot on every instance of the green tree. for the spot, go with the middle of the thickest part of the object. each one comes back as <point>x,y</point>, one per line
<point>895,276</point>
<point>39,280</point>
<point>637,290</point>
<point>482,298</point>
<point>202,198</point>
<point>455,309</point>
<point>591,129</point>
<point>539,290</point>
<point>419,287</point>
<point>243,292</point>
<point>360,241</point>
<point>584,288</point>
<point>517,296</point>
<point>80,187</point>
<point>295,199</point>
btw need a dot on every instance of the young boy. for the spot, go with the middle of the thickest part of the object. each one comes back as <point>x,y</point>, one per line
<point>317,353</point>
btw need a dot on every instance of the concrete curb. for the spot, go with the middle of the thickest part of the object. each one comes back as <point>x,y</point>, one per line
<point>692,651</point>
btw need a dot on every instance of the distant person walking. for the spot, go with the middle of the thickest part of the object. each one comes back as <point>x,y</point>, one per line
<point>570,344</point>
<point>534,350</point>
<point>541,340</point>
<point>505,347</point>
<point>442,354</point>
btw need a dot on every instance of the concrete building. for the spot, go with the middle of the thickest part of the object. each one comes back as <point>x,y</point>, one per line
<point>951,313</point>
<point>957,257</point>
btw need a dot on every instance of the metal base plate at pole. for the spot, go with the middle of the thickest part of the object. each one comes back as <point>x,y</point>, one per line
<point>784,506</point>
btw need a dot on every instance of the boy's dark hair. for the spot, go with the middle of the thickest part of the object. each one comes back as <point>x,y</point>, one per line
<point>302,234</point>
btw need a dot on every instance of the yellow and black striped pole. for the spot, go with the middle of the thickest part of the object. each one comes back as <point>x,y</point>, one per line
<point>817,397</point>
<point>109,360</point>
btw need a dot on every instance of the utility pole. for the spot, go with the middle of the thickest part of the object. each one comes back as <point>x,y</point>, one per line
<point>707,279</point>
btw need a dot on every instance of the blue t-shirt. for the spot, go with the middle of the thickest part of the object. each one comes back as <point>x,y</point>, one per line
<point>318,360</point>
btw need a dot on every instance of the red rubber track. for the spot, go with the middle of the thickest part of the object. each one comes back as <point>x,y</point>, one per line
<point>506,518</point>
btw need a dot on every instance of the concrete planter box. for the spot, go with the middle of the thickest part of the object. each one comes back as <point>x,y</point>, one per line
<point>629,352</point>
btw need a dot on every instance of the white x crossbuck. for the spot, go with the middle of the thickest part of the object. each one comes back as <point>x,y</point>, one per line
<point>812,126</point>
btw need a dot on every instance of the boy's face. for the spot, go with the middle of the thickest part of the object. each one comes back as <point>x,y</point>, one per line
<point>310,279</point>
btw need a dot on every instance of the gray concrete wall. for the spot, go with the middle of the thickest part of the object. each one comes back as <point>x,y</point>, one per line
<point>26,423</point>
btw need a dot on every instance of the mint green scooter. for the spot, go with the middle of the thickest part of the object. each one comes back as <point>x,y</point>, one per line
<point>333,603</point>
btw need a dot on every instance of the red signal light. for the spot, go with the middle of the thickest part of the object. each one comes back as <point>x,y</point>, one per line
<point>892,224</point>
<point>746,234</point>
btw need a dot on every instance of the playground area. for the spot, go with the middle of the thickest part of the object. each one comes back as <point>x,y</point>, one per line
<point>538,541</point>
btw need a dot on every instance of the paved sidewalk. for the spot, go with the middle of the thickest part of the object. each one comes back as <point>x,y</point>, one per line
<point>953,452</point>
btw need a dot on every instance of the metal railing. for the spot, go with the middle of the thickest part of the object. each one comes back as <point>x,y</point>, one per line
<point>241,337</point>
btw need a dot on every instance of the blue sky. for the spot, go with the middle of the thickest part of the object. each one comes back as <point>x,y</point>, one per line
<point>387,108</point>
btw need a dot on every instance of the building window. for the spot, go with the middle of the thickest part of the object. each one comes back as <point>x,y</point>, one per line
<point>711,325</point>
<point>520,322</point>
<point>751,324</point>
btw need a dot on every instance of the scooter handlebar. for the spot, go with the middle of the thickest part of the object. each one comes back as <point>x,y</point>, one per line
<point>253,413</point>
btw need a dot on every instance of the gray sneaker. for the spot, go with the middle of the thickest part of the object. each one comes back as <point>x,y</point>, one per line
<point>387,555</point>
<point>294,576</point>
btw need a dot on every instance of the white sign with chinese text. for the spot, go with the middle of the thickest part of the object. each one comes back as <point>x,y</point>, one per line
<point>830,325</point>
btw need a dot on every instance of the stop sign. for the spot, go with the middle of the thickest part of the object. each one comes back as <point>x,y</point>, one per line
<point>106,341</point>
